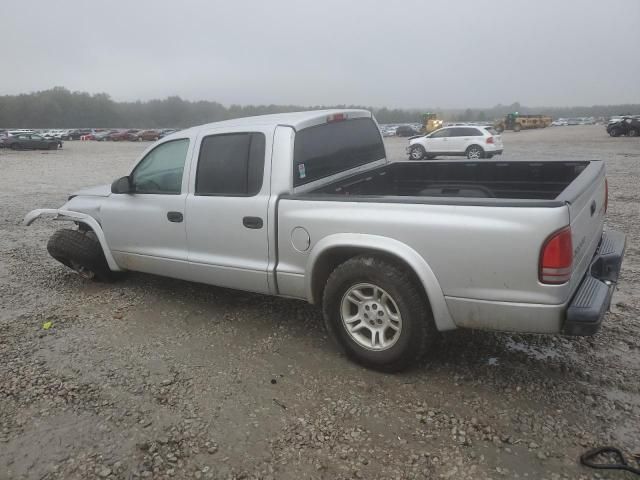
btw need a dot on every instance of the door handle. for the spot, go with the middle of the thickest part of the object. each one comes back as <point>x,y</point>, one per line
<point>175,217</point>
<point>252,222</point>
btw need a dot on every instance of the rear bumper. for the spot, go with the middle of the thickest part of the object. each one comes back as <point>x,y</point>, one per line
<point>593,297</point>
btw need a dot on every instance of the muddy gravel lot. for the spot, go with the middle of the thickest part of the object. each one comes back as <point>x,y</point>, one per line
<point>158,378</point>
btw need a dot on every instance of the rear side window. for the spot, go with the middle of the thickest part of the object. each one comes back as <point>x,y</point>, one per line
<point>468,132</point>
<point>332,148</point>
<point>231,164</point>
<point>491,130</point>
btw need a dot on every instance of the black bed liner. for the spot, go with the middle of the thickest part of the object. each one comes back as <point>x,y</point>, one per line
<point>510,180</point>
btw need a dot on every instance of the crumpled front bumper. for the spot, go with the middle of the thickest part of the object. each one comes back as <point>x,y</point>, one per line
<point>69,215</point>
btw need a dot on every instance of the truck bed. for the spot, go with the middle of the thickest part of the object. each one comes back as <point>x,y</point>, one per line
<point>485,179</point>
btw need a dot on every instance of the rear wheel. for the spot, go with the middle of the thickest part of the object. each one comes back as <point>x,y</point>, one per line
<point>632,132</point>
<point>81,251</point>
<point>378,314</point>
<point>417,152</point>
<point>475,152</point>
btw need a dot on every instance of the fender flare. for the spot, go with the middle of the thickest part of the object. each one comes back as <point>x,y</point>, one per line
<point>394,248</point>
<point>70,216</point>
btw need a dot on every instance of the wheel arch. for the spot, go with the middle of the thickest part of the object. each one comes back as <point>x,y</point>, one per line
<point>475,145</point>
<point>71,216</point>
<point>334,250</point>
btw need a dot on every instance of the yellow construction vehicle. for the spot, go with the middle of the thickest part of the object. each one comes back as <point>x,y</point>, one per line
<point>430,122</point>
<point>517,122</point>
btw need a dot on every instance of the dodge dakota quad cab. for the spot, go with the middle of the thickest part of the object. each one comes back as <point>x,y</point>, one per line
<point>306,205</point>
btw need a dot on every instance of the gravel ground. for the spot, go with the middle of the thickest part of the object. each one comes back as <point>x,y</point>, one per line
<point>159,378</point>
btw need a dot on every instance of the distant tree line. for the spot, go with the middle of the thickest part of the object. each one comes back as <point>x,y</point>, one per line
<point>61,108</point>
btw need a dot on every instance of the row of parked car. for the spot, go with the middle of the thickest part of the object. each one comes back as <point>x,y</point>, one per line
<point>403,130</point>
<point>131,134</point>
<point>23,139</point>
<point>563,122</point>
<point>28,141</point>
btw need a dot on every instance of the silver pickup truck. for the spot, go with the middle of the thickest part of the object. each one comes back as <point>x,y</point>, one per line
<point>306,205</point>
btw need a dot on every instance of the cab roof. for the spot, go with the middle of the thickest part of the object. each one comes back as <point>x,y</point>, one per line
<point>296,120</point>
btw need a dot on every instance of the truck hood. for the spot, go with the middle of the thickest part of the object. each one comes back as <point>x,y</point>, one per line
<point>97,191</point>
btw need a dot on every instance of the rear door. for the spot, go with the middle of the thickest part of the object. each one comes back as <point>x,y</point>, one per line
<point>226,209</point>
<point>463,137</point>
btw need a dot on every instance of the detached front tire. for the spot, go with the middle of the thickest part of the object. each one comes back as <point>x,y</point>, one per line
<point>378,314</point>
<point>81,251</point>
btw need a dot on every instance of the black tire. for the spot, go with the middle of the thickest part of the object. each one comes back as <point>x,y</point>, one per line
<point>614,132</point>
<point>417,152</point>
<point>488,155</point>
<point>632,132</point>
<point>474,152</point>
<point>417,331</point>
<point>81,251</point>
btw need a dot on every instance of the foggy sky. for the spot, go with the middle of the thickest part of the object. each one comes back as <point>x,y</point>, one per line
<point>402,53</point>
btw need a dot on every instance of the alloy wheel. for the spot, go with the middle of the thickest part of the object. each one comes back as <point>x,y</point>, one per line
<point>371,317</point>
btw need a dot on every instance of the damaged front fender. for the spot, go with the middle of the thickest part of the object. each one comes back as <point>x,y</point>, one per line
<point>71,216</point>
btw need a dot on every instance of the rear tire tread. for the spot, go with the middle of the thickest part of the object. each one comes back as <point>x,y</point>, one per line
<point>417,317</point>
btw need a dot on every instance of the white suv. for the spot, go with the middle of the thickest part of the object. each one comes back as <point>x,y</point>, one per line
<point>470,141</point>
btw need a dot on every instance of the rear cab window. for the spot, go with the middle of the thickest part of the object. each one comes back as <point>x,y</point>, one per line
<point>330,148</point>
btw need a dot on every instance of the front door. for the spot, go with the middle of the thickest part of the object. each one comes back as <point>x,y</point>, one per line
<point>438,141</point>
<point>146,229</point>
<point>226,212</point>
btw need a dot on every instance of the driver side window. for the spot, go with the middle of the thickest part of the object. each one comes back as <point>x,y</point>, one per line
<point>161,170</point>
<point>445,132</point>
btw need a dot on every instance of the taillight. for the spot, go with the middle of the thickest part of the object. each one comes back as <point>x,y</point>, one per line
<point>489,139</point>
<point>606,194</point>
<point>556,258</point>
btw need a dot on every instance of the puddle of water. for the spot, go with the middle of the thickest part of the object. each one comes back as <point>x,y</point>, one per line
<point>536,352</point>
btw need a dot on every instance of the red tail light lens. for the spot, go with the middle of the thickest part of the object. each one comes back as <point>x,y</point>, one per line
<point>556,258</point>
<point>489,139</point>
<point>606,194</point>
<point>336,117</point>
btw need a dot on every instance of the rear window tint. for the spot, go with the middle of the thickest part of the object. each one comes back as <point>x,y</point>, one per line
<point>332,148</point>
<point>231,164</point>
<point>491,130</point>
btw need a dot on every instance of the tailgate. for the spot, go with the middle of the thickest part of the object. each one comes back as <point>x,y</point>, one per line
<point>586,199</point>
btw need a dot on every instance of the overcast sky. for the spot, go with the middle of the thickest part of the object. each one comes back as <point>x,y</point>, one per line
<point>402,53</point>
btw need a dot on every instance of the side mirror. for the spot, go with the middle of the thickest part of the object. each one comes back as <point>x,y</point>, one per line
<point>122,185</point>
